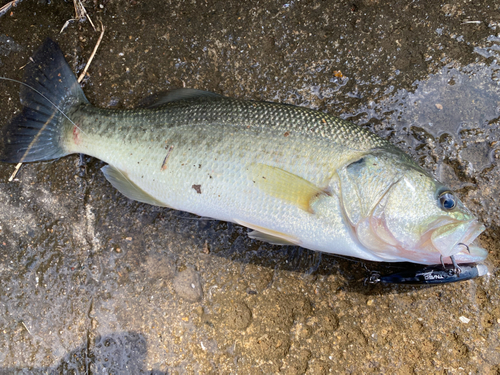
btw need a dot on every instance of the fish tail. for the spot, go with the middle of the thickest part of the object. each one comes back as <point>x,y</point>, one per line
<point>49,92</point>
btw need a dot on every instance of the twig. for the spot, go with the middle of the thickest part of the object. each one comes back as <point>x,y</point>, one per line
<point>65,25</point>
<point>26,327</point>
<point>7,6</point>
<point>78,10</point>
<point>31,61</point>
<point>92,55</point>
<point>13,175</point>
<point>80,14</point>
<point>86,14</point>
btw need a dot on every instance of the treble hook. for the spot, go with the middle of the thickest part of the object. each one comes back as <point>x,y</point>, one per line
<point>456,269</point>
<point>374,278</point>
<point>467,247</point>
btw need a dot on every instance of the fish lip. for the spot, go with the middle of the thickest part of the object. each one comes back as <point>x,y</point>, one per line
<point>474,230</point>
<point>477,254</point>
<point>463,249</point>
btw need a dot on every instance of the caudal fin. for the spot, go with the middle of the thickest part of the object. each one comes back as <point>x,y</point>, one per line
<point>49,92</point>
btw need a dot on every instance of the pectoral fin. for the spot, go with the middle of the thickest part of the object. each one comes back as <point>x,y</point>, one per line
<point>269,235</point>
<point>124,185</point>
<point>285,185</point>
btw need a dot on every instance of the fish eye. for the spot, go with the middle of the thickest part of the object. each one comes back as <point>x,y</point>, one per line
<point>447,201</point>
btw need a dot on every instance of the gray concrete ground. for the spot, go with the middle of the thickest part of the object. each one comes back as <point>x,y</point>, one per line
<point>91,282</point>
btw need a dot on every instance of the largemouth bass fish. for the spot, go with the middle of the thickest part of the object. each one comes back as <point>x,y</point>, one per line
<point>291,174</point>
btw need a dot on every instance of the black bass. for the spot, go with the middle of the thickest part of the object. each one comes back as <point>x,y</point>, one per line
<point>291,174</point>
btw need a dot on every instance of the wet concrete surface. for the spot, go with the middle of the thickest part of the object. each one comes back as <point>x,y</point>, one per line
<point>91,282</point>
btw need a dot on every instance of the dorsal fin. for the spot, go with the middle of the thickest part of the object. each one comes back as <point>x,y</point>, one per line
<point>176,95</point>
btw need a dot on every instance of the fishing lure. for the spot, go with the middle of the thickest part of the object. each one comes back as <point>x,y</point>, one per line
<point>434,274</point>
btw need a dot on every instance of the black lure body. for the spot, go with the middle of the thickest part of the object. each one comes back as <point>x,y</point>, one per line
<point>434,274</point>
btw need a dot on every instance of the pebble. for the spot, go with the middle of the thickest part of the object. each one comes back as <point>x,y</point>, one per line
<point>464,320</point>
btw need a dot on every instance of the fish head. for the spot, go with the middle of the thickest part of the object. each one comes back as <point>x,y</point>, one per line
<point>400,212</point>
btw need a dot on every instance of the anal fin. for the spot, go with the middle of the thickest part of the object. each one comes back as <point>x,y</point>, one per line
<point>269,235</point>
<point>127,187</point>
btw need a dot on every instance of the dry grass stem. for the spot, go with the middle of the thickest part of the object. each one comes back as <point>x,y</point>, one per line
<point>7,6</point>
<point>80,78</point>
<point>85,14</point>
<point>25,327</point>
<point>80,14</point>
<point>13,175</point>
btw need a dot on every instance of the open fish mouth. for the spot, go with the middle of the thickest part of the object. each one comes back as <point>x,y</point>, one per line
<point>444,238</point>
<point>474,254</point>
<point>456,239</point>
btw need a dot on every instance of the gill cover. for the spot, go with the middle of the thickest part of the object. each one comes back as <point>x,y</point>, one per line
<point>364,183</point>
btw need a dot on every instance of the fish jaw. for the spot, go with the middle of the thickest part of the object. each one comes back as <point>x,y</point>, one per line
<point>443,240</point>
<point>477,254</point>
<point>455,239</point>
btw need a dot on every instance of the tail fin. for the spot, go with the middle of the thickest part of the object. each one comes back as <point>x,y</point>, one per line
<point>49,91</point>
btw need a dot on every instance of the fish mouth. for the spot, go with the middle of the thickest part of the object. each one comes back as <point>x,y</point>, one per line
<point>445,237</point>
<point>457,239</point>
